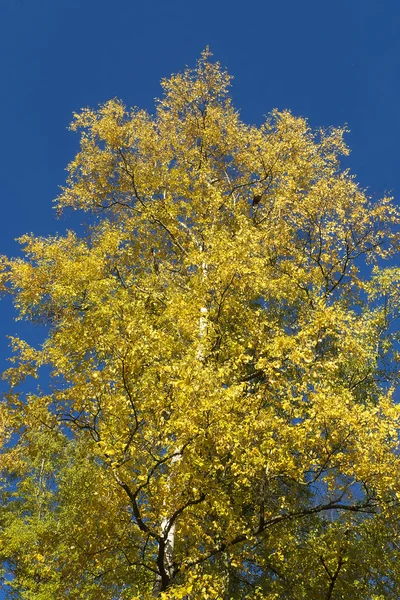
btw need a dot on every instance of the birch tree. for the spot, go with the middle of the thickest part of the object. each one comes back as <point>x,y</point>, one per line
<point>215,415</point>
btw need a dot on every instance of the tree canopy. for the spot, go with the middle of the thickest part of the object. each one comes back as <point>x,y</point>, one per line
<point>218,415</point>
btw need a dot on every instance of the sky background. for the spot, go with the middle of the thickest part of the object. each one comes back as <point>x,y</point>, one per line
<point>332,62</point>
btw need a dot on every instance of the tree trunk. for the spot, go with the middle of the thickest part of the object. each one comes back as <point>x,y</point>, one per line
<point>167,531</point>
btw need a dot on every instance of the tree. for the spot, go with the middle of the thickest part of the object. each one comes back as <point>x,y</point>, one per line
<point>220,347</point>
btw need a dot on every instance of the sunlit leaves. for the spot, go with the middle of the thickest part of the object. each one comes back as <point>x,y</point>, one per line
<point>222,365</point>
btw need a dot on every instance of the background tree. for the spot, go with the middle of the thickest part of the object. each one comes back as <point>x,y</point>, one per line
<point>220,420</point>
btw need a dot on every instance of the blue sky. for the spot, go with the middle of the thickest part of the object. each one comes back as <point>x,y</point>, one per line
<point>332,62</point>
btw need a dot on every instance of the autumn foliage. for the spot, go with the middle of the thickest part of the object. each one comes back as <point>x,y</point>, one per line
<point>217,418</point>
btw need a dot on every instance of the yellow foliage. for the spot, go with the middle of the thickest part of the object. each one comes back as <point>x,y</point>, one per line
<point>218,419</point>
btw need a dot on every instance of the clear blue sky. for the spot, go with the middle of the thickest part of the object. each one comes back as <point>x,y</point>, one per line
<point>333,62</point>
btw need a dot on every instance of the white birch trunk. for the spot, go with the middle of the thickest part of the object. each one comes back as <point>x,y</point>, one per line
<point>165,523</point>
